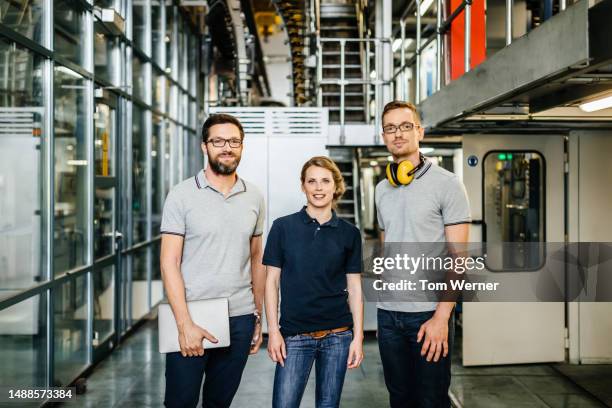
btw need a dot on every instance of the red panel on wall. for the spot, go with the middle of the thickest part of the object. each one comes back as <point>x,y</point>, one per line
<point>457,37</point>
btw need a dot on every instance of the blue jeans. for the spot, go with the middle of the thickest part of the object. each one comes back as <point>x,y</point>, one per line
<point>411,380</point>
<point>223,368</point>
<point>330,354</point>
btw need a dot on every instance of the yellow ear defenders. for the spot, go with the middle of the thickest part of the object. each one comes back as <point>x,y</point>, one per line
<point>402,173</point>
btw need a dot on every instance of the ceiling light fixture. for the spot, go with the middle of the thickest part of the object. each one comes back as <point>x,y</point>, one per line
<point>597,104</point>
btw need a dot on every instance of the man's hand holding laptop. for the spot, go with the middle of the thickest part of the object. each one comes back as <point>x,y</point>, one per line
<point>191,337</point>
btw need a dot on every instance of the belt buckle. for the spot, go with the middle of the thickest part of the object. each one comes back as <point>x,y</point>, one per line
<point>319,334</point>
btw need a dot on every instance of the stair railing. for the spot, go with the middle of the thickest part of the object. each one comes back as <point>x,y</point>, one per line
<point>371,78</point>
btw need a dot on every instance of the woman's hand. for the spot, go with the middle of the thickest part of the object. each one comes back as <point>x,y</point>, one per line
<point>276,348</point>
<point>355,356</point>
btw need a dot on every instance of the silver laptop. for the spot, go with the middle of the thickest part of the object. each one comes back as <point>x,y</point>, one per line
<point>210,314</point>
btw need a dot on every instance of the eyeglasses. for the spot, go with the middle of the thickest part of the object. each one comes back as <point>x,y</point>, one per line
<point>234,143</point>
<point>403,127</point>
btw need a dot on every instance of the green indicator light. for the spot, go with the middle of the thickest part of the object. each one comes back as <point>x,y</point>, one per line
<point>501,156</point>
<point>509,156</point>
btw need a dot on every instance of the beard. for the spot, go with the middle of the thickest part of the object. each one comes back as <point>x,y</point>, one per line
<point>224,169</point>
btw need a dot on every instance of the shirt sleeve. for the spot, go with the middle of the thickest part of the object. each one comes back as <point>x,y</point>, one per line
<point>354,259</point>
<point>261,218</point>
<point>381,223</point>
<point>273,254</point>
<point>455,204</point>
<point>173,216</point>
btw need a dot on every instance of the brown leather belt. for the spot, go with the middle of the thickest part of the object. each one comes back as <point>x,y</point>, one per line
<point>319,334</point>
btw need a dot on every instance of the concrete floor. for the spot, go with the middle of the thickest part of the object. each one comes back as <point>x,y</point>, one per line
<point>133,376</point>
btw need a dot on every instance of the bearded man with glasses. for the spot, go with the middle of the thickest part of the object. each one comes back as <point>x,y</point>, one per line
<point>212,227</point>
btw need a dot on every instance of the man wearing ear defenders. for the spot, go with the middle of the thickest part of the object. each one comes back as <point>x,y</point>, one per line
<point>417,202</point>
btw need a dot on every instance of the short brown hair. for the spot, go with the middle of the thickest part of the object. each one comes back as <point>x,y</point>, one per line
<point>219,119</point>
<point>326,163</point>
<point>399,105</point>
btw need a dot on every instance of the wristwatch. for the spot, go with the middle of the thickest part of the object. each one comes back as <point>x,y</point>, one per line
<point>257,317</point>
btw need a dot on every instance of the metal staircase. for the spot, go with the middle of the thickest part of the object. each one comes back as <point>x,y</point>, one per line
<point>347,207</point>
<point>341,20</point>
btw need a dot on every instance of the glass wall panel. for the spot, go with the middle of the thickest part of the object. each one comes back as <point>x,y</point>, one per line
<point>169,40</point>
<point>104,148</point>
<point>184,109</point>
<point>106,56</point>
<point>183,54</point>
<point>158,89</point>
<point>139,11</point>
<point>104,197</point>
<point>21,117</point>
<point>187,155</point>
<point>69,31</point>
<point>139,175</point>
<point>193,114</point>
<point>23,16</point>
<point>104,304</point>
<point>157,180</point>
<point>139,284</point>
<point>70,331</point>
<point>70,170</point>
<point>167,157</point>
<point>23,343</point>
<point>20,76</point>
<point>170,107</point>
<point>138,79</point>
<point>197,157</point>
<point>125,272</point>
<point>157,35</point>
<point>104,225</point>
<point>192,67</point>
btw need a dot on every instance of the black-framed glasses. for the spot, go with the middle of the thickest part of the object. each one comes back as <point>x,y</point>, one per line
<point>403,127</point>
<point>234,143</point>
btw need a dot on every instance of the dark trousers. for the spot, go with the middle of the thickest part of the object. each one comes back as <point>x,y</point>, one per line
<point>411,380</point>
<point>223,368</point>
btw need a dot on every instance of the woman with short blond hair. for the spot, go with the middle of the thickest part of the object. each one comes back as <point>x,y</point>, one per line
<point>315,258</point>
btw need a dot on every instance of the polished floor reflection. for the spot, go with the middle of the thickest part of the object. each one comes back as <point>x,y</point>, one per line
<point>133,375</point>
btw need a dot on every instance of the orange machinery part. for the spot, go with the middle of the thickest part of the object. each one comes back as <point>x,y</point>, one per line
<point>457,37</point>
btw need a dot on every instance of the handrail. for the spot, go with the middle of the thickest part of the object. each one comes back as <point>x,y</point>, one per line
<point>442,27</point>
<point>70,274</point>
<point>342,81</point>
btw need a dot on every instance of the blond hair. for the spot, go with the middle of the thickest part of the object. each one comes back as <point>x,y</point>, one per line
<point>328,164</point>
<point>399,105</point>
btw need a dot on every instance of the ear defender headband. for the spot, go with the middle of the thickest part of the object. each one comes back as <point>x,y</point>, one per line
<point>402,173</point>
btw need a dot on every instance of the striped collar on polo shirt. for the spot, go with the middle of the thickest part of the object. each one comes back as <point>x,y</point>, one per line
<point>202,182</point>
<point>423,169</point>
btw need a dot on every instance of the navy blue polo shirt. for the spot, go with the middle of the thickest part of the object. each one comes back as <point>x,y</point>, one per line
<point>314,260</point>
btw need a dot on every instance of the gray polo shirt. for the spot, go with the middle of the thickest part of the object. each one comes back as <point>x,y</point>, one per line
<point>217,231</point>
<point>419,212</point>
